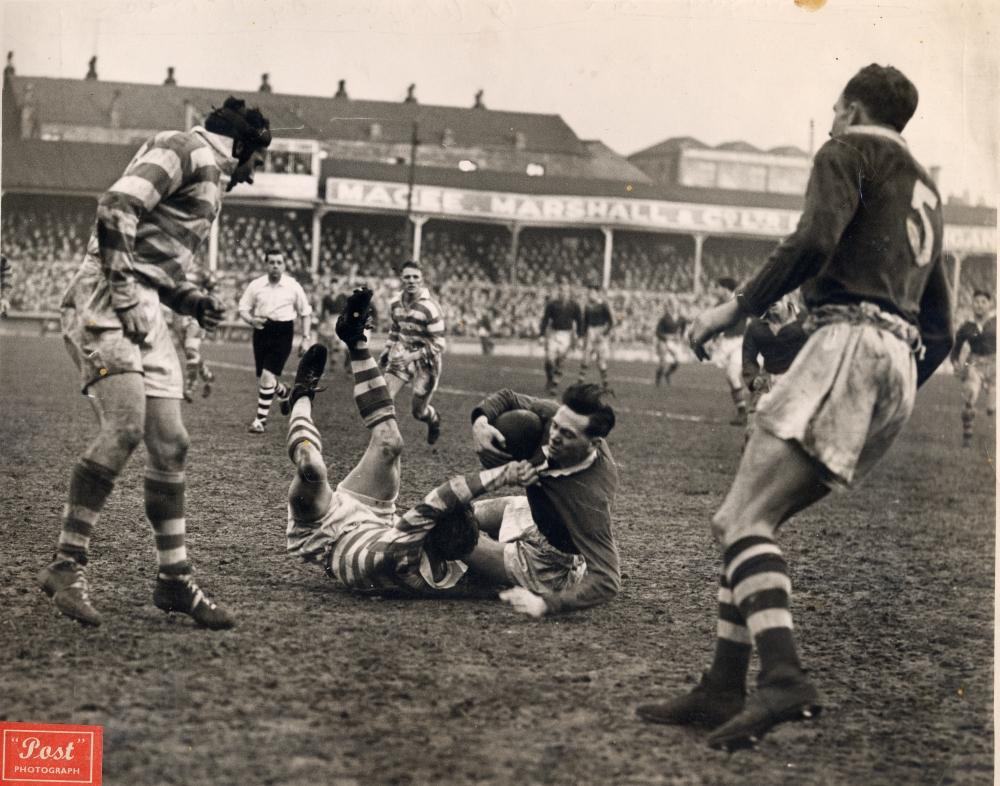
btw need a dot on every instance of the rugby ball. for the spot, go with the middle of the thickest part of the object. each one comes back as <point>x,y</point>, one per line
<point>522,429</point>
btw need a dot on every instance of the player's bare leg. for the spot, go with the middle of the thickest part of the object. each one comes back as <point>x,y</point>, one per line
<point>972,384</point>
<point>167,445</point>
<point>310,492</point>
<point>424,384</point>
<point>119,402</point>
<point>775,480</point>
<point>489,514</point>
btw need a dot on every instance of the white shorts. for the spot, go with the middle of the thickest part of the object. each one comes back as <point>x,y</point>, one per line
<point>94,337</point>
<point>979,375</point>
<point>557,344</point>
<point>845,398</point>
<point>727,354</point>
<point>529,558</point>
<point>424,374</point>
<point>597,346</point>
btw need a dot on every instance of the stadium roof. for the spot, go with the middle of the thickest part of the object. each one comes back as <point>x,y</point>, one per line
<point>671,145</point>
<point>88,103</point>
<point>677,143</point>
<point>89,168</point>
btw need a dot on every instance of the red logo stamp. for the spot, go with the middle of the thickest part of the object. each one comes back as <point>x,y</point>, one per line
<point>50,754</point>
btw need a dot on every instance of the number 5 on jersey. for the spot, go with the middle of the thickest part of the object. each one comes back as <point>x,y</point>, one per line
<point>921,234</point>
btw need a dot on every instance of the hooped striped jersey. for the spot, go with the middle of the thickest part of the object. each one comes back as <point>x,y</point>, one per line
<point>418,324</point>
<point>152,220</point>
<point>367,553</point>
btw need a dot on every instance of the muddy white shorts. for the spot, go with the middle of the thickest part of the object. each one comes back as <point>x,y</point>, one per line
<point>531,561</point>
<point>845,398</point>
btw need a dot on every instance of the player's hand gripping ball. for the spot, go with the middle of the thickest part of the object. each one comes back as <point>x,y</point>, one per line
<point>522,430</point>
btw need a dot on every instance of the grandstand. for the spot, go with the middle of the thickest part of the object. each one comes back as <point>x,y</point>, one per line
<point>502,205</point>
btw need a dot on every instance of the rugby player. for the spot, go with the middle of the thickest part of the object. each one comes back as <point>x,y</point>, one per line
<point>561,324</point>
<point>977,367</point>
<point>667,331</point>
<point>867,254</point>
<point>596,325</point>
<point>556,544</point>
<point>270,304</point>
<point>725,352</point>
<point>776,338</point>
<point>188,335</point>
<point>149,225</point>
<point>352,530</point>
<point>414,346</point>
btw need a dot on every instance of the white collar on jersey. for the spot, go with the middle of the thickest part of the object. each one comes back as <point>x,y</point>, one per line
<point>558,472</point>
<point>882,131</point>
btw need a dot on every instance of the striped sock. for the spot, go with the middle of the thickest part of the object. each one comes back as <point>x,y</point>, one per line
<point>89,487</point>
<point>429,415</point>
<point>264,398</point>
<point>165,511</point>
<point>733,646</point>
<point>371,394</point>
<point>758,574</point>
<point>301,428</point>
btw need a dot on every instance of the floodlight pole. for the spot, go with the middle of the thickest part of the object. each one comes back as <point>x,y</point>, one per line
<point>411,178</point>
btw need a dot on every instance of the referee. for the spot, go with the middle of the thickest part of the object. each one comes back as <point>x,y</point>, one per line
<point>271,303</point>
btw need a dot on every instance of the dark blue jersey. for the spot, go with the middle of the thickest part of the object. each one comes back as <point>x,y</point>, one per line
<point>597,315</point>
<point>561,315</point>
<point>777,348</point>
<point>982,338</point>
<point>870,230</point>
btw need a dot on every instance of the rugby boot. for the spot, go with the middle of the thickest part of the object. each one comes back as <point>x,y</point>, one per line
<point>257,427</point>
<point>434,429</point>
<point>307,377</point>
<point>784,695</point>
<point>65,581</point>
<point>708,705</point>
<point>739,419</point>
<point>184,596</point>
<point>352,323</point>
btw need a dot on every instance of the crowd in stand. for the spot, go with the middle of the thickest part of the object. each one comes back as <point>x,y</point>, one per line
<point>468,265</point>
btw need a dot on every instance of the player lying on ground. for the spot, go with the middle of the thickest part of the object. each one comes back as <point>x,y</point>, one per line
<point>874,285</point>
<point>352,530</point>
<point>556,543</point>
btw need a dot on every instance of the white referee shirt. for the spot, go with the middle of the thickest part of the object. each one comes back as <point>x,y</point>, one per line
<point>280,302</point>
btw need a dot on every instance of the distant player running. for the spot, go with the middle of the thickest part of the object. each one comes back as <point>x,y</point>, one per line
<point>596,327</point>
<point>414,347</point>
<point>977,367</point>
<point>725,352</point>
<point>867,254</point>
<point>559,328</point>
<point>668,330</point>
<point>352,530</point>
<point>188,334</point>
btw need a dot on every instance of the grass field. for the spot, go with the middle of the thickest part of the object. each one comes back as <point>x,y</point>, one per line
<point>893,597</point>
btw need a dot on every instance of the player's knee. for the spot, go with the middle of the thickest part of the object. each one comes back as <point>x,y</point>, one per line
<point>389,443</point>
<point>128,433</point>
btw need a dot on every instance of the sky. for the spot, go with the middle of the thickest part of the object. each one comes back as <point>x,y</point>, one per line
<point>628,73</point>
